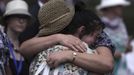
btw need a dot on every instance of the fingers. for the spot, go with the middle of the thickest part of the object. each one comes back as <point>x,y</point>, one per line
<point>79,49</point>
<point>78,46</point>
<point>73,48</point>
<point>56,64</point>
<point>50,62</point>
<point>53,61</point>
<point>72,42</point>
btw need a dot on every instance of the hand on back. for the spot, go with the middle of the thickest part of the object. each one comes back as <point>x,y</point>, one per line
<point>72,42</point>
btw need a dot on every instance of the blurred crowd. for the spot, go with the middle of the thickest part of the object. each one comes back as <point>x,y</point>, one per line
<point>61,37</point>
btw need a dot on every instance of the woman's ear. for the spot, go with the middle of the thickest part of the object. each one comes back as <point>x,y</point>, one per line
<point>81,31</point>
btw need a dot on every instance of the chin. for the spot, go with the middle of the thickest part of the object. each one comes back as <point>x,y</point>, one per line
<point>19,30</point>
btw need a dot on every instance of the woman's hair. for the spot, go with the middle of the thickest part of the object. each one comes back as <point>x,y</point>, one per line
<point>85,18</point>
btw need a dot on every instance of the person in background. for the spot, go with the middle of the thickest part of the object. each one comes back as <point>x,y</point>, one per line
<point>111,15</point>
<point>15,20</point>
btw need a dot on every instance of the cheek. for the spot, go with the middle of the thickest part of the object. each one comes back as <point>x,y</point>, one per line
<point>88,40</point>
<point>21,27</point>
<point>18,27</point>
<point>13,25</point>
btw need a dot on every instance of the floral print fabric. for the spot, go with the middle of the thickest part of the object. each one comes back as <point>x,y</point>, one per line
<point>104,40</point>
<point>65,69</point>
<point>4,52</point>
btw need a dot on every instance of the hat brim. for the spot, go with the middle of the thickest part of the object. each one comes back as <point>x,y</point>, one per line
<point>17,11</point>
<point>99,7</point>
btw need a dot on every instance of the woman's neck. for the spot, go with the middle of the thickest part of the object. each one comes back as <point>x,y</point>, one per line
<point>13,36</point>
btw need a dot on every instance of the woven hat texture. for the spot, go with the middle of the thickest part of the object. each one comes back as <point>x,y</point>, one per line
<point>54,16</point>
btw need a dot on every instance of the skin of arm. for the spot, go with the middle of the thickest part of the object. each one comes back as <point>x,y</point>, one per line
<point>99,63</point>
<point>35,45</point>
<point>102,62</point>
<point>117,54</point>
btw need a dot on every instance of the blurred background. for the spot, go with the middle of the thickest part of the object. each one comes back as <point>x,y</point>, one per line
<point>128,14</point>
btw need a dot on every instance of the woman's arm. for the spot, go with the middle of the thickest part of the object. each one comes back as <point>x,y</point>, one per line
<point>37,44</point>
<point>97,63</point>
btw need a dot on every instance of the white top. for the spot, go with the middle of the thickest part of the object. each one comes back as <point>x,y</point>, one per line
<point>117,32</point>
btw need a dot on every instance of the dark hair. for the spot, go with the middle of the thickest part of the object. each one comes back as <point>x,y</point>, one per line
<point>79,4</point>
<point>85,18</point>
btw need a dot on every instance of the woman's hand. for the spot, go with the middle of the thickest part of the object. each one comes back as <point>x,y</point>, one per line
<point>72,42</point>
<point>57,58</point>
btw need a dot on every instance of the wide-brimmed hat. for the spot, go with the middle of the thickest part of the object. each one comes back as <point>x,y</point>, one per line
<point>54,16</point>
<point>112,3</point>
<point>16,7</point>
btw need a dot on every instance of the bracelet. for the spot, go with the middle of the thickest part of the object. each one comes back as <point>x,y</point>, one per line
<point>74,56</point>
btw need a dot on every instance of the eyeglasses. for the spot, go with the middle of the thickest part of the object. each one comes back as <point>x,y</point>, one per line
<point>20,19</point>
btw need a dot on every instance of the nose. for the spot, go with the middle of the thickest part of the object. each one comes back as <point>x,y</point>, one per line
<point>22,20</point>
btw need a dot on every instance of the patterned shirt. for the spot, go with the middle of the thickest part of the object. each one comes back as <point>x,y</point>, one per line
<point>4,53</point>
<point>104,40</point>
<point>63,69</point>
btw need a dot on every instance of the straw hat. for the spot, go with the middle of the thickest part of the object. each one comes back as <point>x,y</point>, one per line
<point>17,7</point>
<point>111,3</point>
<point>54,16</point>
